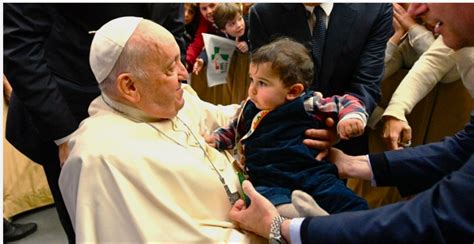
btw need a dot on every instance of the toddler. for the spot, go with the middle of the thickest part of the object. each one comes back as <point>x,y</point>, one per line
<point>269,132</point>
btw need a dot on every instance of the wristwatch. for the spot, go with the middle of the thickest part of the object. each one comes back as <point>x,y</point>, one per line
<point>275,231</point>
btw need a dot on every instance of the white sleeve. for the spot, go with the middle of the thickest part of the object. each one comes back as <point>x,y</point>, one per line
<point>420,38</point>
<point>432,66</point>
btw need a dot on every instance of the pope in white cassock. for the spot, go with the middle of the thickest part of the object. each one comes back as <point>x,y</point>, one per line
<point>139,169</point>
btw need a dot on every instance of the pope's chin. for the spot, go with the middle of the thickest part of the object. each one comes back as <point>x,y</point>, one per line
<point>179,96</point>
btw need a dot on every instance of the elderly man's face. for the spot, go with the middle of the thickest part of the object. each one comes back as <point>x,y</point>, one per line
<point>162,95</point>
<point>455,21</point>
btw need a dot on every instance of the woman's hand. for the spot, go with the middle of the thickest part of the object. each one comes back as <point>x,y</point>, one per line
<point>396,133</point>
<point>402,15</point>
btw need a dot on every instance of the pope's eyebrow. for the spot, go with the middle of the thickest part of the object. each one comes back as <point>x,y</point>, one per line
<point>173,62</point>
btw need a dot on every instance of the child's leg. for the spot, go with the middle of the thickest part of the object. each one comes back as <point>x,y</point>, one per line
<point>287,210</point>
<point>334,196</point>
<point>305,204</point>
<point>302,205</point>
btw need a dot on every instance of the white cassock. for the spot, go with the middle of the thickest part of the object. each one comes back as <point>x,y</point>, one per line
<point>125,181</point>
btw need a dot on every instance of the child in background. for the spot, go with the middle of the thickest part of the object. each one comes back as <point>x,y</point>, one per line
<point>229,20</point>
<point>269,132</point>
<point>191,21</point>
<point>206,25</point>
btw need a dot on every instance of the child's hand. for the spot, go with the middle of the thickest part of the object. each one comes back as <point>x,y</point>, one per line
<point>350,128</point>
<point>242,46</point>
<point>210,140</point>
<point>198,66</point>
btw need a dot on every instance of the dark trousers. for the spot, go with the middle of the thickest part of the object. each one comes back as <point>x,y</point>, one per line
<point>319,181</point>
<point>52,171</point>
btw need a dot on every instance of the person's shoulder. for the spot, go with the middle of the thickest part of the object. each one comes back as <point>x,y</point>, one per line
<point>363,7</point>
<point>265,7</point>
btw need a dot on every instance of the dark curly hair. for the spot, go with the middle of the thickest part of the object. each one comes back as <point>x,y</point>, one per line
<point>290,59</point>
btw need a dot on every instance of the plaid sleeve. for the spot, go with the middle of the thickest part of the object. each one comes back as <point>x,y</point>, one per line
<point>225,137</point>
<point>336,107</point>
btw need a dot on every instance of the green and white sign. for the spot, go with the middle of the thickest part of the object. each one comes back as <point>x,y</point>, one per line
<point>219,53</point>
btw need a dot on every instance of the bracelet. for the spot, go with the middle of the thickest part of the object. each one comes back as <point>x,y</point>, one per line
<point>275,230</point>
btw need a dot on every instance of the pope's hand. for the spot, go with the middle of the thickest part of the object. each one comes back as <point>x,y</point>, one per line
<point>63,153</point>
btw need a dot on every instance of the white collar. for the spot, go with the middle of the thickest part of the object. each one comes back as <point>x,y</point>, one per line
<point>126,110</point>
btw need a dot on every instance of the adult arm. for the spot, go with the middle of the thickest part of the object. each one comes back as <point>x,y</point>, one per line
<point>416,169</point>
<point>430,68</point>
<point>195,48</point>
<point>393,59</point>
<point>26,28</point>
<point>211,116</point>
<point>404,52</point>
<point>257,33</point>
<point>420,38</point>
<point>365,83</point>
<point>171,16</point>
<point>442,213</point>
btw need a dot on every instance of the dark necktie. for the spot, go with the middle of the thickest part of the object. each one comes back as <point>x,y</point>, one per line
<point>318,38</point>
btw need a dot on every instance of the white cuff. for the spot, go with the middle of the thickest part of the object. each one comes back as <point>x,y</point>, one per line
<point>295,228</point>
<point>372,181</point>
<point>62,140</point>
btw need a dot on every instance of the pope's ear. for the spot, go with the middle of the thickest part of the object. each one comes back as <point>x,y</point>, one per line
<point>294,91</point>
<point>127,87</point>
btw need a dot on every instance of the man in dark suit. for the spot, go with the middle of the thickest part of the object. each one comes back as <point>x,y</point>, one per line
<point>441,173</point>
<point>46,59</point>
<point>353,51</point>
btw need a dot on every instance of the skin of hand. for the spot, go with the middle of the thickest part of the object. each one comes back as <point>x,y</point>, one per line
<point>242,46</point>
<point>395,133</point>
<point>257,217</point>
<point>350,166</point>
<point>7,90</point>
<point>402,15</point>
<point>399,32</point>
<point>350,128</point>
<point>198,66</point>
<point>63,153</point>
<point>210,140</point>
<point>322,139</point>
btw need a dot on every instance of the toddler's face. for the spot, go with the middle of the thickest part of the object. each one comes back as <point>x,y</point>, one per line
<point>266,88</point>
<point>188,13</point>
<point>235,27</point>
<point>207,11</point>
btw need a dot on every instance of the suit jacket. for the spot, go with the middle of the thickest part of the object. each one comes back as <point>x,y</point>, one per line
<point>442,212</point>
<point>354,50</point>
<point>46,60</point>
